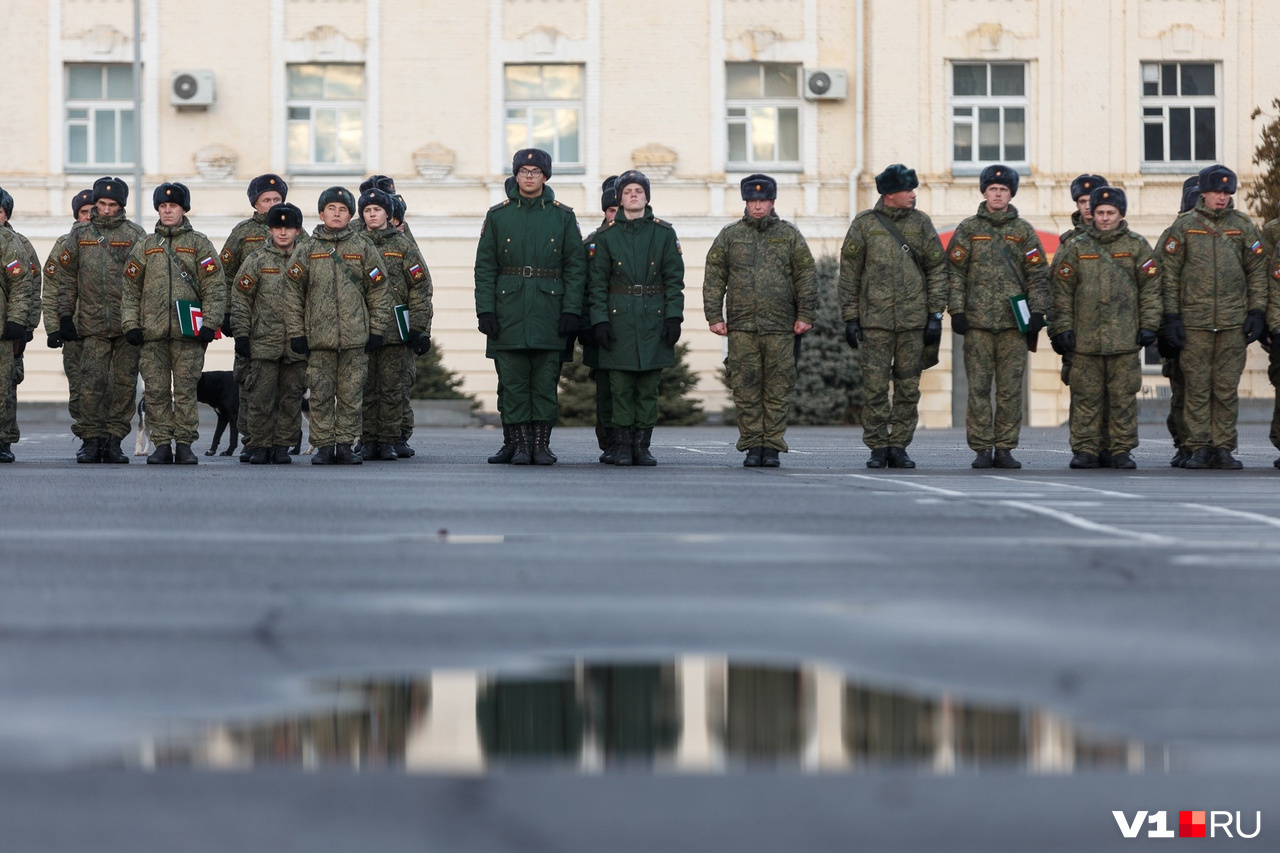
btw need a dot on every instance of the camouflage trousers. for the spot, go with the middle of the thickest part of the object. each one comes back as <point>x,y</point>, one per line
<point>336,379</point>
<point>635,397</point>
<point>891,357</point>
<point>604,405</point>
<point>108,387</point>
<point>1212,363</point>
<point>1106,405</point>
<point>999,359</point>
<point>762,374</point>
<point>385,394</point>
<point>1273,373</point>
<point>71,353</point>
<point>170,372</point>
<point>9,431</point>
<point>272,399</point>
<point>1101,384</point>
<point>1176,421</point>
<point>406,407</point>
<point>8,388</point>
<point>527,379</point>
<point>240,372</point>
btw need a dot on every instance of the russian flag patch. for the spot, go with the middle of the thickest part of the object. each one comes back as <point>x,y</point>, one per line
<point>14,267</point>
<point>209,264</point>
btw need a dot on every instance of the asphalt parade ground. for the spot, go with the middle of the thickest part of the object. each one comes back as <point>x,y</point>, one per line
<point>440,654</point>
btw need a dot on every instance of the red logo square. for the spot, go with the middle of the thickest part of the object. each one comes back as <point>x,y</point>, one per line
<point>1191,825</point>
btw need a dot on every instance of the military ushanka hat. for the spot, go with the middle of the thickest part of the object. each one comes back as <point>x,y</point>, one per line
<point>6,203</point>
<point>79,200</point>
<point>265,184</point>
<point>758,187</point>
<point>399,207</point>
<point>113,189</point>
<point>609,192</point>
<point>1217,179</point>
<point>284,216</point>
<point>381,182</point>
<point>999,174</point>
<point>896,178</point>
<point>340,195</point>
<point>633,176</point>
<point>1085,185</point>
<point>1113,196</point>
<point>1190,193</point>
<point>378,198</point>
<point>172,192</point>
<point>532,157</point>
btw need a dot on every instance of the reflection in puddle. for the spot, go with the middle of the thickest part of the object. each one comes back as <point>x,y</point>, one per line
<point>693,714</point>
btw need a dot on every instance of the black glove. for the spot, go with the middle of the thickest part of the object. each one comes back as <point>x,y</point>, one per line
<point>1036,324</point>
<point>1174,332</point>
<point>1056,342</point>
<point>587,336</point>
<point>67,328</point>
<point>569,325</point>
<point>1254,326</point>
<point>55,341</point>
<point>671,330</point>
<point>133,337</point>
<point>242,347</point>
<point>1163,346</point>
<point>31,335</point>
<point>932,330</point>
<point>959,324</point>
<point>21,347</point>
<point>420,343</point>
<point>226,325</point>
<point>853,334</point>
<point>13,332</point>
<point>206,333</point>
<point>604,335</point>
<point>1146,338</point>
<point>373,344</point>
<point>1066,342</point>
<point>299,345</point>
<point>488,323</point>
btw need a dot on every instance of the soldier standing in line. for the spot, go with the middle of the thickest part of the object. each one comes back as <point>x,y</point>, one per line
<point>1215,301</point>
<point>760,290</point>
<point>81,210</point>
<point>637,307</point>
<point>19,290</point>
<point>530,273</point>
<point>893,289</point>
<point>590,352</point>
<point>995,256</point>
<point>399,208</point>
<point>1106,308</point>
<point>276,376</point>
<point>337,302</point>
<point>249,235</point>
<point>1271,342</point>
<point>175,264</point>
<point>90,282</point>
<point>9,432</point>
<point>1170,367</point>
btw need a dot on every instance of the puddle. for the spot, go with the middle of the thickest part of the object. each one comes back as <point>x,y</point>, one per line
<point>686,715</point>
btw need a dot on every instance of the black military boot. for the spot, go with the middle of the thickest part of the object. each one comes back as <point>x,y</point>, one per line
<point>606,445</point>
<point>898,458</point>
<point>1224,461</point>
<point>1085,460</point>
<point>260,456</point>
<point>344,455</point>
<point>245,453</point>
<point>640,454</point>
<point>162,455</point>
<point>182,455</point>
<point>1105,460</point>
<point>280,455</point>
<point>754,458</point>
<point>770,459</point>
<point>522,435</point>
<point>622,446</point>
<point>1200,459</point>
<point>550,452</point>
<point>1004,459</point>
<point>6,455</point>
<point>1276,464</point>
<point>1180,458</point>
<point>368,450</point>
<point>324,456</point>
<point>602,438</point>
<point>1123,461</point>
<point>90,451</point>
<point>111,451</point>
<point>386,452</point>
<point>879,458</point>
<point>542,454</point>
<point>508,449</point>
<point>982,459</point>
<point>402,448</point>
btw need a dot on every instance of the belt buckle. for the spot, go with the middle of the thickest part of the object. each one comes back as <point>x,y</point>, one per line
<point>527,271</point>
<point>637,290</point>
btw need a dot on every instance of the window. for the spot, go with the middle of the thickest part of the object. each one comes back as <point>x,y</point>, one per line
<point>762,115</point>
<point>1179,112</point>
<point>988,114</point>
<point>326,117</point>
<point>544,110</point>
<point>100,123</point>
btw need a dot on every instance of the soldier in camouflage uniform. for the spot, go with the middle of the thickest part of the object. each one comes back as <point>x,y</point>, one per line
<point>399,208</point>
<point>19,290</point>
<point>90,282</point>
<point>1271,342</point>
<point>590,352</point>
<point>9,433</point>
<point>337,302</point>
<point>249,235</point>
<point>1106,308</point>
<point>174,264</point>
<point>1170,368</point>
<point>891,300</point>
<point>81,210</point>
<point>1215,301</point>
<point>994,256</point>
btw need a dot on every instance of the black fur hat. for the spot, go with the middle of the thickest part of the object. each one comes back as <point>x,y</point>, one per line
<point>79,200</point>
<point>609,192</point>
<point>6,203</point>
<point>1218,179</point>
<point>1085,185</point>
<point>532,157</point>
<point>398,207</point>
<point>377,197</point>
<point>267,183</point>
<point>379,182</point>
<point>1113,196</point>
<point>632,176</point>
<point>896,179</point>
<point>284,216</point>
<point>174,192</point>
<point>341,195</point>
<point>758,188</point>
<point>1190,193</point>
<point>999,174</point>
<point>111,188</point>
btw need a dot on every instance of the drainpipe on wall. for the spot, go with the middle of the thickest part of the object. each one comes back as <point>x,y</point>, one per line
<point>137,112</point>
<point>859,108</point>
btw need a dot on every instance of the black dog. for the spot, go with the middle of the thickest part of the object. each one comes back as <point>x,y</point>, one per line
<point>218,390</point>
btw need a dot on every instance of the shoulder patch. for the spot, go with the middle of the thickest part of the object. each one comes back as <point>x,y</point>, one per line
<point>562,206</point>
<point>591,250</point>
<point>1275,273</point>
<point>500,205</point>
<point>14,267</point>
<point>227,256</point>
<point>1256,248</point>
<point>1172,246</point>
<point>376,276</point>
<point>1065,270</point>
<point>51,267</point>
<point>295,271</point>
<point>1034,257</point>
<point>679,251</point>
<point>663,223</point>
<point>209,264</point>
<point>245,282</point>
<point>132,270</point>
<point>64,258</point>
<point>958,254</point>
<point>417,273</point>
<point>1150,268</point>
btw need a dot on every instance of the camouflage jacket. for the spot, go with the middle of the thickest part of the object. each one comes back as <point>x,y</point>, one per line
<point>337,290</point>
<point>49,294</point>
<point>33,261</point>
<point>19,289</point>
<point>760,277</point>
<point>880,285</point>
<point>246,238</point>
<point>1214,268</point>
<point>91,278</point>
<point>1271,241</point>
<point>982,282</point>
<point>408,280</point>
<point>259,304</point>
<point>1078,226</point>
<point>1106,286</point>
<point>175,262</point>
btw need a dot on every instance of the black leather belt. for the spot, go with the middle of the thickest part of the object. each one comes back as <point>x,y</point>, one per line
<point>637,289</point>
<point>529,272</point>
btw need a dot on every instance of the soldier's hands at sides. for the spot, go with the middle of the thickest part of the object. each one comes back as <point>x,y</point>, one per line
<point>206,334</point>
<point>488,324</point>
<point>21,346</point>
<point>959,323</point>
<point>1066,342</point>
<point>373,344</point>
<point>853,334</point>
<point>299,345</point>
<point>604,335</point>
<point>1036,324</point>
<point>67,329</point>
<point>1174,332</point>
<point>722,328</point>
<point>587,336</point>
<point>1268,339</point>
<point>932,330</point>
<point>1254,326</point>
<point>801,327</point>
<point>226,325</point>
<point>133,337</point>
<point>13,332</point>
<point>569,324</point>
<point>419,342</point>
<point>242,347</point>
<point>55,341</point>
<point>671,330</point>
<point>1146,338</point>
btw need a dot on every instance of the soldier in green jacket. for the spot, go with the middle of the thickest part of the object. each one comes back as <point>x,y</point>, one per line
<point>530,274</point>
<point>9,432</point>
<point>81,210</point>
<point>167,269</point>
<point>398,212</point>
<point>763,266</point>
<point>590,352</point>
<point>891,300</point>
<point>637,307</point>
<point>19,290</point>
<point>276,376</point>
<point>994,256</point>
<point>1106,309</point>
<point>337,305</point>
<point>90,283</point>
<point>1170,367</point>
<point>1215,302</point>
<point>1271,240</point>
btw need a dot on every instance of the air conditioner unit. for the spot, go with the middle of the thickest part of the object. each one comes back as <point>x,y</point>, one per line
<point>826,84</point>
<point>191,88</point>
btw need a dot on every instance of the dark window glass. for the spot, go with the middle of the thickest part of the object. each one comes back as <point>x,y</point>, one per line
<point>970,79</point>
<point>1169,79</point>
<point>1197,79</point>
<point>1206,134</point>
<point>1008,80</point>
<point>1179,133</point>
<point>1153,111</point>
<point>1153,142</point>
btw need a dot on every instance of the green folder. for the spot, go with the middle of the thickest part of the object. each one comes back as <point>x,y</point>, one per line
<point>1021,311</point>
<point>190,318</point>
<point>402,320</point>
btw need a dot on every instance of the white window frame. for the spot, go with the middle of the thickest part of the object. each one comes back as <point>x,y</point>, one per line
<point>1165,102</point>
<point>973,103</point>
<point>563,165</point>
<point>95,109</point>
<point>326,104</point>
<point>759,106</point>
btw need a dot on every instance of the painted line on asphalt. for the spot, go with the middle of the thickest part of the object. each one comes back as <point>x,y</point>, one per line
<point>1236,513</point>
<point>1093,489</point>
<point>696,450</point>
<point>934,489</point>
<point>1091,526</point>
